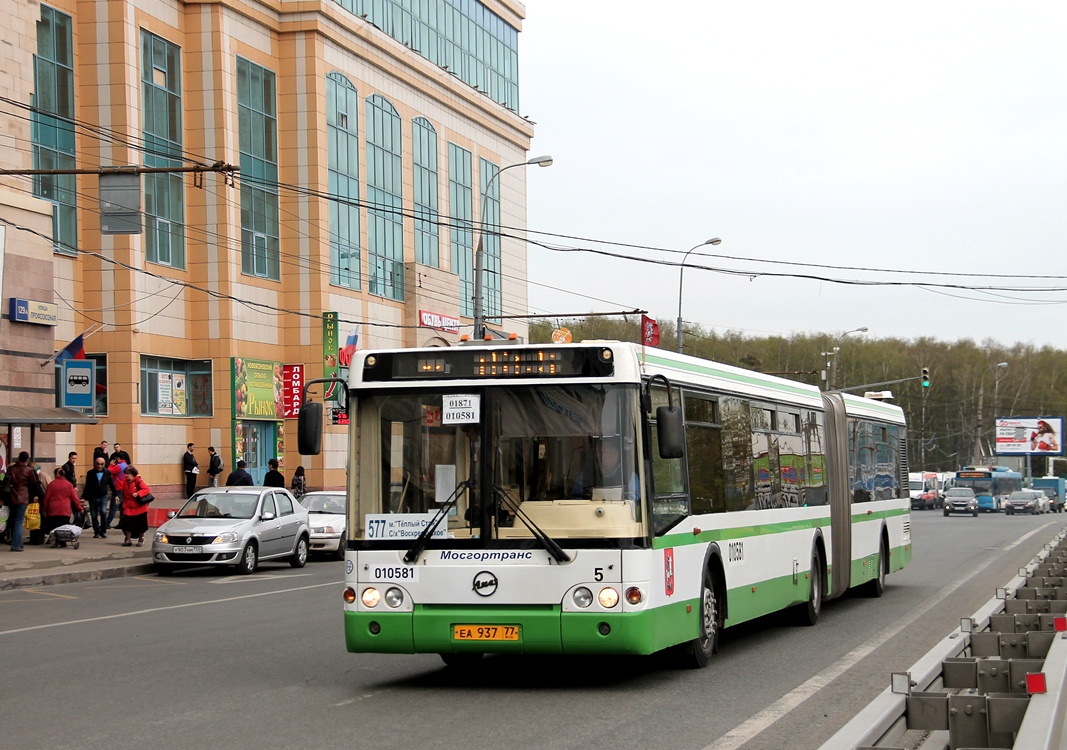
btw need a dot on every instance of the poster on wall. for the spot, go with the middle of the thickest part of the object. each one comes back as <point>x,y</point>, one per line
<point>257,389</point>
<point>1035,436</point>
<point>166,393</point>
<point>178,397</point>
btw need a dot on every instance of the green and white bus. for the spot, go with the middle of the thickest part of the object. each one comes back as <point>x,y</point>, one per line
<point>601,498</point>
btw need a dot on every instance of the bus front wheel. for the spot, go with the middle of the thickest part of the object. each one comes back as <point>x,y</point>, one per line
<point>706,643</point>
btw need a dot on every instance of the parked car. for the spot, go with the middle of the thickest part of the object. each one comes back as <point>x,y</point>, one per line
<point>1026,501</point>
<point>326,516</point>
<point>961,500</point>
<point>237,526</point>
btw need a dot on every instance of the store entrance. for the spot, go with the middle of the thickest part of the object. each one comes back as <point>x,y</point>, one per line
<point>261,440</point>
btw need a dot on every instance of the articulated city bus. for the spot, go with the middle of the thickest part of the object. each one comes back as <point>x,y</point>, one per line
<point>602,498</point>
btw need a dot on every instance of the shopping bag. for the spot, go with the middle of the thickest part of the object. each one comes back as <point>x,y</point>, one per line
<point>3,517</point>
<point>33,517</point>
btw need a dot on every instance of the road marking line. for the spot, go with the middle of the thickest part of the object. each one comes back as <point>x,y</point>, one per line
<point>746,730</point>
<point>161,609</point>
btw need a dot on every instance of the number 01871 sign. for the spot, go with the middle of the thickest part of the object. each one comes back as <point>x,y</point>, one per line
<point>461,409</point>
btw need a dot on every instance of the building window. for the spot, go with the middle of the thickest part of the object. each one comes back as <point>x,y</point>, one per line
<point>462,36</point>
<point>52,125</point>
<point>175,387</point>
<point>101,383</point>
<point>161,104</point>
<point>385,219</point>
<point>257,135</point>
<point>461,245</point>
<point>424,160</point>
<point>492,279</point>
<point>342,132</point>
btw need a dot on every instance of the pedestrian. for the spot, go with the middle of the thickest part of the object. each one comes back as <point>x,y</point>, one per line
<point>239,477</point>
<point>134,512</point>
<point>119,453</point>
<point>274,477</point>
<point>214,467</point>
<point>100,451</point>
<point>23,488</point>
<point>69,470</point>
<point>59,504</point>
<point>98,490</point>
<point>117,469</point>
<point>299,486</point>
<point>191,469</point>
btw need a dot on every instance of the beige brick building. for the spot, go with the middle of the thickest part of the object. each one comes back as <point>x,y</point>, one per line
<point>365,133</point>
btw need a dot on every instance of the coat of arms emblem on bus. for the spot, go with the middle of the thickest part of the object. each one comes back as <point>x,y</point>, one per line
<point>668,571</point>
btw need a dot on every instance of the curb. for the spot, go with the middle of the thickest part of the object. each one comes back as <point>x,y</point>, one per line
<point>51,577</point>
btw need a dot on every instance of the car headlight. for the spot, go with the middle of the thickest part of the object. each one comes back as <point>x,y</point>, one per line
<point>161,536</point>
<point>226,537</point>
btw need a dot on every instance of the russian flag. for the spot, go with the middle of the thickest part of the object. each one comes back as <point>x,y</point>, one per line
<point>74,350</point>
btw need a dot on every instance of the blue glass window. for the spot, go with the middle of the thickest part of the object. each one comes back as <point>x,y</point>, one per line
<point>460,203</point>
<point>462,36</point>
<point>385,204</point>
<point>257,124</point>
<point>161,104</point>
<point>342,132</point>
<point>52,127</point>
<point>424,145</point>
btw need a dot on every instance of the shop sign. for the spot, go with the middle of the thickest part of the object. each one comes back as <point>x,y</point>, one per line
<point>439,322</point>
<point>293,383</point>
<point>257,389</point>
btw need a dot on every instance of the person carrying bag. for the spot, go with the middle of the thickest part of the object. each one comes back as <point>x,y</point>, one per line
<point>135,499</point>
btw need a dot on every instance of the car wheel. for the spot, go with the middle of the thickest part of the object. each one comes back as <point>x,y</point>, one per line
<point>946,514</point>
<point>341,544</point>
<point>162,569</point>
<point>300,554</point>
<point>974,513</point>
<point>249,560</point>
<point>698,652</point>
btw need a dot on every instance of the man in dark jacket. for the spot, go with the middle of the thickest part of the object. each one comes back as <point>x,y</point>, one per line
<point>274,477</point>
<point>214,467</point>
<point>24,487</point>
<point>100,451</point>
<point>191,469</point>
<point>70,471</point>
<point>121,454</point>
<point>239,477</point>
<point>98,491</point>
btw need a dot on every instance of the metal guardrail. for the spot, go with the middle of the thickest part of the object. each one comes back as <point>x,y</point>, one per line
<point>974,688</point>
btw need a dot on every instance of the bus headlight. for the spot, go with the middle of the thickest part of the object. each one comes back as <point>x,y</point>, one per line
<point>635,595</point>
<point>394,597</point>
<point>371,597</point>
<point>608,597</point>
<point>582,596</point>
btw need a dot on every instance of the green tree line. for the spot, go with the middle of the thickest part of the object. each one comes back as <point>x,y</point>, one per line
<point>944,423</point>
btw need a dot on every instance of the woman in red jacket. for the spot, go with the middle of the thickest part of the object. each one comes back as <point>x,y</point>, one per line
<point>134,512</point>
<point>60,502</point>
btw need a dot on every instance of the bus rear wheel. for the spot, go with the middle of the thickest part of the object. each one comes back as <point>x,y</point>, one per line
<point>700,649</point>
<point>876,586</point>
<point>808,613</point>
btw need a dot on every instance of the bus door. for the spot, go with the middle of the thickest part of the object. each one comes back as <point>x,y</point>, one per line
<point>840,487</point>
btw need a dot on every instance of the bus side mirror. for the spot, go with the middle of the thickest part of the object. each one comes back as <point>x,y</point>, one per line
<point>670,432</point>
<point>309,428</point>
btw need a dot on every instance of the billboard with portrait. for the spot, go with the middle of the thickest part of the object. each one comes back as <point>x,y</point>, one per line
<point>1037,436</point>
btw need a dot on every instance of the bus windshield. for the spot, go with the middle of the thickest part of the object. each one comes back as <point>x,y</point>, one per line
<point>561,459</point>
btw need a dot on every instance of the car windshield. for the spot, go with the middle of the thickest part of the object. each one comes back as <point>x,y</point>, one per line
<point>220,505</point>
<point>960,493</point>
<point>323,503</point>
<point>1021,495</point>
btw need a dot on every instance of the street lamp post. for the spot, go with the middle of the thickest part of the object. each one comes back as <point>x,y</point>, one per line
<point>681,276</point>
<point>831,361</point>
<point>981,395</point>
<point>479,253</point>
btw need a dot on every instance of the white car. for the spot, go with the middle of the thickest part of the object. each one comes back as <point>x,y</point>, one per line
<point>326,516</point>
<point>236,526</point>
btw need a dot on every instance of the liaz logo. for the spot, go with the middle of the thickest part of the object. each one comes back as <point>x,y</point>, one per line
<point>485,583</point>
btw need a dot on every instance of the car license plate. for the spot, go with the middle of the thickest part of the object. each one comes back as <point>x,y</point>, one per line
<point>188,550</point>
<point>485,632</point>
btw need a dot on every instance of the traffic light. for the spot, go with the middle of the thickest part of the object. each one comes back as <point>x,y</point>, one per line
<point>926,377</point>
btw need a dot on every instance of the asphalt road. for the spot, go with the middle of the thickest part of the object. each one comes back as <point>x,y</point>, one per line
<point>206,659</point>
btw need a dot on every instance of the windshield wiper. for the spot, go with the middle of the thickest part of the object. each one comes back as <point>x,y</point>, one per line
<point>427,532</point>
<point>548,542</point>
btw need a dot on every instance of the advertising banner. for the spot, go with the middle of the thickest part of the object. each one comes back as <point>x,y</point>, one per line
<point>257,389</point>
<point>329,354</point>
<point>1036,436</point>
<point>293,383</point>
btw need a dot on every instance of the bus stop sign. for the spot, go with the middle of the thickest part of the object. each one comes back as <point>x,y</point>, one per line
<point>79,383</point>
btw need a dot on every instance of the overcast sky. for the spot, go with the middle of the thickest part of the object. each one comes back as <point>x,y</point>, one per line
<point>928,137</point>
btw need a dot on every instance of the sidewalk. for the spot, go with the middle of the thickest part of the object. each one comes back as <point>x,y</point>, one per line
<point>95,559</point>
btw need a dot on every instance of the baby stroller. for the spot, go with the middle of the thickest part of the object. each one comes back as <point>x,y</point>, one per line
<point>65,535</point>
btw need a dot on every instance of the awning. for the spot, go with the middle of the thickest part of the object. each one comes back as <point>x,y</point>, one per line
<point>40,415</point>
